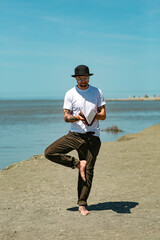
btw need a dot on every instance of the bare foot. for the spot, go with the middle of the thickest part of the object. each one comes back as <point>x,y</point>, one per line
<point>81,166</point>
<point>83,210</point>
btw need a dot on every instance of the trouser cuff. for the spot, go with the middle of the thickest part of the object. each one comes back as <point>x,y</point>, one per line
<point>82,203</point>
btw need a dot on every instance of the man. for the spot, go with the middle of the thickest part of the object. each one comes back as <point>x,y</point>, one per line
<point>83,137</point>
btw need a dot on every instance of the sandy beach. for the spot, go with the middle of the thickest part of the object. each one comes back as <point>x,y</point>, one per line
<point>134,99</point>
<point>38,198</point>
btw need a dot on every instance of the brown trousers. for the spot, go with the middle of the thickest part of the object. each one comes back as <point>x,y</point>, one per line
<point>87,147</point>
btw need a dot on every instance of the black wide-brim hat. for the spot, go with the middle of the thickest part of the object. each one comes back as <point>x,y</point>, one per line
<point>82,70</point>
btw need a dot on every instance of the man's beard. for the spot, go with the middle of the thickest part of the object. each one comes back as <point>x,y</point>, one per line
<point>83,85</point>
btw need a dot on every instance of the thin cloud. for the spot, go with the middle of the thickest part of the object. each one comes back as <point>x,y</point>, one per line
<point>131,37</point>
<point>125,37</point>
<point>65,20</point>
<point>31,53</point>
<point>152,13</point>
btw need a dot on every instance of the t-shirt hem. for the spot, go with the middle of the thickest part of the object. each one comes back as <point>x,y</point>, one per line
<point>97,134</point>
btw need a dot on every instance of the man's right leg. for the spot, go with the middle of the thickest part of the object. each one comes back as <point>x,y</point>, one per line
<point>57,151</point>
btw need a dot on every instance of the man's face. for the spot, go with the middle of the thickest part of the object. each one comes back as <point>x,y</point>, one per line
<point>82,81</point>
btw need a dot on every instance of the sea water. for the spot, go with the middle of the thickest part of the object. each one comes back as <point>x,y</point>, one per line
<point>27,127</point>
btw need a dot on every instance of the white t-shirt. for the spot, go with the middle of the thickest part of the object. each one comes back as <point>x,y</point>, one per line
<point>77,99</point>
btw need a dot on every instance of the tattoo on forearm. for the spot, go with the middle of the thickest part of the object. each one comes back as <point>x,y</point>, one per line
<point>68,117</point>
<point>71,118</point>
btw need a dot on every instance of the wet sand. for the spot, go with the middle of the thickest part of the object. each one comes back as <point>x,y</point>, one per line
<point>38,198</point>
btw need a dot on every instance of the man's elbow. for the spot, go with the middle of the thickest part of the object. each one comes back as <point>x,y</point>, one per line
<point>66,119</point>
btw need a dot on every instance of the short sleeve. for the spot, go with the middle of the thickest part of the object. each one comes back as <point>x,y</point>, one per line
<point>101,100</point>
<point>67,101</point>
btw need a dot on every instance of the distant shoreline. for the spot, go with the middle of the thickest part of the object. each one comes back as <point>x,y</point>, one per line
<point>54,99</point>
<point>106,99</point>
<point>135,99</point>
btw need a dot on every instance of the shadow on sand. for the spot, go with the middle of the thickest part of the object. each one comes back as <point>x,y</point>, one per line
<point>119,207</point>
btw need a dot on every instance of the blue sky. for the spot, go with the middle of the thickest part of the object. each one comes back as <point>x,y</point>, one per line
<point>41,42</point>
